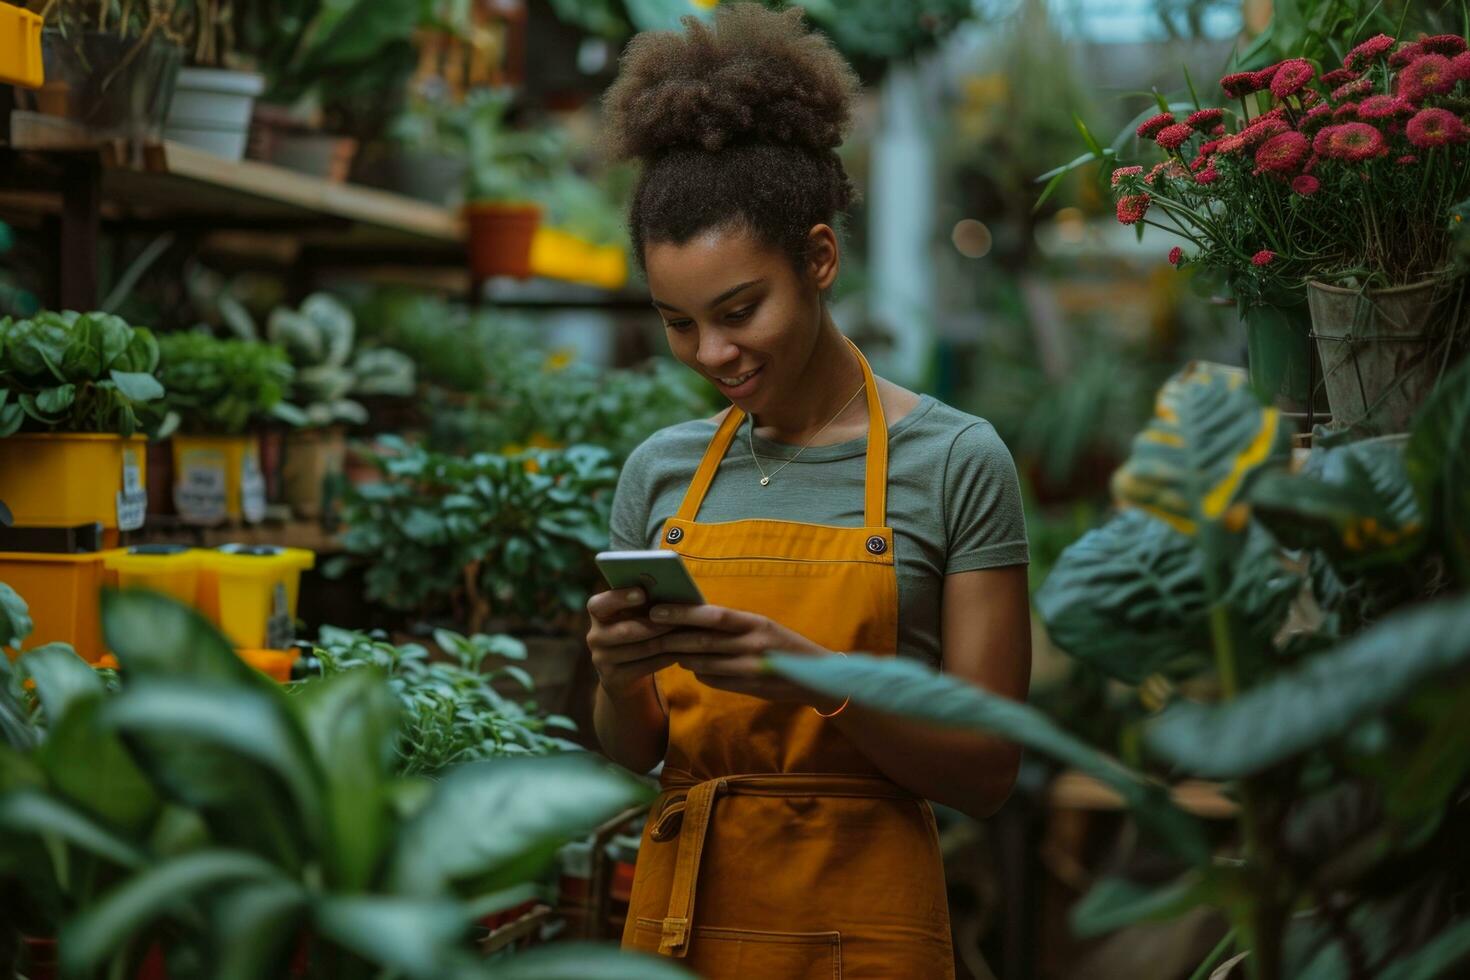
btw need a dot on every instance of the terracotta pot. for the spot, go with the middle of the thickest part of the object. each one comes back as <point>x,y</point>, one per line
<point>315,458</point>
<point>317,154</point>
<point>501,235</point>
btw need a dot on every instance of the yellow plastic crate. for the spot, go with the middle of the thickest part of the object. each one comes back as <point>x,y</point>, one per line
<point>20,47</point>
<point>61,479</point>
<point>250,592</point>
<point>64,593</point>
<point>170,569</point>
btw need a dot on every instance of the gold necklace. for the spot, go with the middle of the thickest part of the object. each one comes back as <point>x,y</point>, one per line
<point>766,478</point>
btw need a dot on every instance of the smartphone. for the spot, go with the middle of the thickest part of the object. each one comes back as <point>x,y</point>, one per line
<point>662,575</point>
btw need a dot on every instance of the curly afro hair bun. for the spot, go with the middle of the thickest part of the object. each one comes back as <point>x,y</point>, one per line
<point>737,125</point>
<point>754,76</point>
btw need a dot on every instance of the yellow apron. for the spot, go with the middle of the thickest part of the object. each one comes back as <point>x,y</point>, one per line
<point>806,861</point>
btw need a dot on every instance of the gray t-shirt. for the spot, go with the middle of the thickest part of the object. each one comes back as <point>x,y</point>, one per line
<point>954,501</point>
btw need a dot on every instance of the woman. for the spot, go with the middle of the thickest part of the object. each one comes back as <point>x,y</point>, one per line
<point>824,511</point>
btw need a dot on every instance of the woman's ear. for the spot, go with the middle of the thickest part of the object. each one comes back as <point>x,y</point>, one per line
<point>823,256</point>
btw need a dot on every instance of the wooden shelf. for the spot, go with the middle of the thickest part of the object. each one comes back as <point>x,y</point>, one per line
<point>288,534</point>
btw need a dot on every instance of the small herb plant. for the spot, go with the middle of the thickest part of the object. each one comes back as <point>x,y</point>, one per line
<point>484,535</point>
<point>75,372</point>
<point>221,387</point>
<point>450,712</point>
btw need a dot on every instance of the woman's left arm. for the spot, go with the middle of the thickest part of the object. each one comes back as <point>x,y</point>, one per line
<point>986,639</point>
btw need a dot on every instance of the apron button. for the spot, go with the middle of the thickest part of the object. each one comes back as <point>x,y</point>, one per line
<point>675,534</point>
<point>877,545</point>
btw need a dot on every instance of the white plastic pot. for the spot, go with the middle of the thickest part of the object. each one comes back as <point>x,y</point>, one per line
<point>211,110</point>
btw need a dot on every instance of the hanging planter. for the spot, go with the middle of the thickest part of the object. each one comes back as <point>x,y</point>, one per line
<point>1384,350</point>
<point>501,236</point>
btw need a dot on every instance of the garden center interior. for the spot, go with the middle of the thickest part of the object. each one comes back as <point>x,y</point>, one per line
<point>331,330</point>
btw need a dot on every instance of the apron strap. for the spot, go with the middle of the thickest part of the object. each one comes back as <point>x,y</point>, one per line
<point>698,808</point>
<point>875,484</point>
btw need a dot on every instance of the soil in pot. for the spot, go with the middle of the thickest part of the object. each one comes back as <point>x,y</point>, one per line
<point>1383,351</point>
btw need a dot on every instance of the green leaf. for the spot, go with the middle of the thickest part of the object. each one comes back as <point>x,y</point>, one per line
<point>137,386</point>
<point>518,675</point>
<point>416,936</point>
<point>95,933</point>
<point>88,763</point>
<point>61,677</point>
<point>350,720</point>
<point>1318,701</point>
<point>1436,958</point>
<point>12,417</point>
<point>1129,598</point>
<point>1438,459</point>
<point>15,617</point>
<point>252,926</point>
<point>507,817</point>
<point>54,401</point>
<point>30,811</point>
<point>1207,437</point>
<point>906,688</point>
<point>577,961</point>
<point>1113,903</point>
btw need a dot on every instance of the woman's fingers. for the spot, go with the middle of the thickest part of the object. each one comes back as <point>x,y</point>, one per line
<point>607,606</point>
<point>705,616</point>
<point>624,632</point>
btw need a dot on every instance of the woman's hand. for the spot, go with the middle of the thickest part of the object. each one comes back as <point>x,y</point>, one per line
<point>726,649</point>
<point>623,643</point>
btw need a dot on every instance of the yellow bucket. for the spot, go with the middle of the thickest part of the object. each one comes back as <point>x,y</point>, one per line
<point>20,47</point>
<point>172,569</point>
<point>250,592</point>
<point>61,479</point>
<point>64,593</point>
<point>217,478</point>
<point>562,255</point>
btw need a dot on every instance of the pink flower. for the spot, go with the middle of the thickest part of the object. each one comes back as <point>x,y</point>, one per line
<point>1311,163</point>
<point>1124,172</point>
<point>1445,44</point>
<point>1291,76</point>
<point>1173,137</point>
<point>1176,255</point>
<point>1406,159</point>
<point>1382,107</point>
<point>1338,76</point>
<point>1218,130</point>
<point>1153,124</point>
<point>1208,147</point>
<point>1263,257</point>
<point>1263,129</point>
<point>1372,48</point>
<point>1404,55</point>
<point>1306,185</point>
<point>1309,96</point>
<point>1207,176</point>
<point>1430,74</point>
<point>1231,144</point>
<point>1133,207</point>
<point>1203,119</point>
<point>1352,142</point>
<point>1435,127</point>
<point>1281,153</point>
<point>1348,110</point>
<point>1242,83</point>
<point>1316,117</point>
<point>1358,86</point>
<point>1460,65</point>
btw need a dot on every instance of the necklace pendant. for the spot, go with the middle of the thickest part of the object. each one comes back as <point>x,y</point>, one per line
<point>765,480</point>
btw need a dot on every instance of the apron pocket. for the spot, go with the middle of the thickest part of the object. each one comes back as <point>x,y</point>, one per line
<point>741,954</point>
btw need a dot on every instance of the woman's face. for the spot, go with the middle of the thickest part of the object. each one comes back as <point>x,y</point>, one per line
<point>739,313</point>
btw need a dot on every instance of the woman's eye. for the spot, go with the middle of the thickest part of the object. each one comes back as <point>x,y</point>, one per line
<point>679,325</point>
<point>740,314</point>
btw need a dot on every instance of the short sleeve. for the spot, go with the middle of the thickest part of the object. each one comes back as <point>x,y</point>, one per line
<point>628,524</point>
<point>985,522</point>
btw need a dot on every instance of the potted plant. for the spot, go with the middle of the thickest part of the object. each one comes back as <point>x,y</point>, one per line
<point>1343,182</point>
<point>1327,731</point>
<point>319,338</point>
<point>108,67</point>
<point>508,170</point>
<point>135,820</point>
<point>213,99</point>
<point>76,393</point>
<point>219,389</point>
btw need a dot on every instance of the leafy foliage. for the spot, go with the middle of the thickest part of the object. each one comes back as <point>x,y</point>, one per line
<point>496,534</point>
<point>75,372</point>
<point>252,819</point>
<point>219,387</point>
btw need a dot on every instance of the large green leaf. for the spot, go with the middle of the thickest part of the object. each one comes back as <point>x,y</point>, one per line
<point>350,720</point>
<point>578,961</point>
<point>61,677</point>
<point>252,926</point>
<point>1438,458</point>
<point>496,823</point>
<point>88,763</point>
<point>415,936</point>
<point>1436,958</point>
<point>163,889</point>
<point>1112,903</point>
<point>31,811</point>
<point>1129,598</point>
<point>903,687</point>
<point>139,386</point>
<point>1208,436</point>
<point>15,617</point>
<point>1318,701</point>
<point>1355,503</point>
<point>153,634</point>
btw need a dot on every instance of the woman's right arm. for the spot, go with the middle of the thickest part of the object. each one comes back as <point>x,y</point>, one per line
<point>631,724</point>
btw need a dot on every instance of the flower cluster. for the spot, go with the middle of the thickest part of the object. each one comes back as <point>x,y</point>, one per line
<point>1315,172</point>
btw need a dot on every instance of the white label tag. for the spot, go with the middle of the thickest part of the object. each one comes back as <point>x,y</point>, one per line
<point>252,489</point>
<point>199,490</point>
<point>279,630</point>
<point>132,478</point>
<point>132,509</point>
